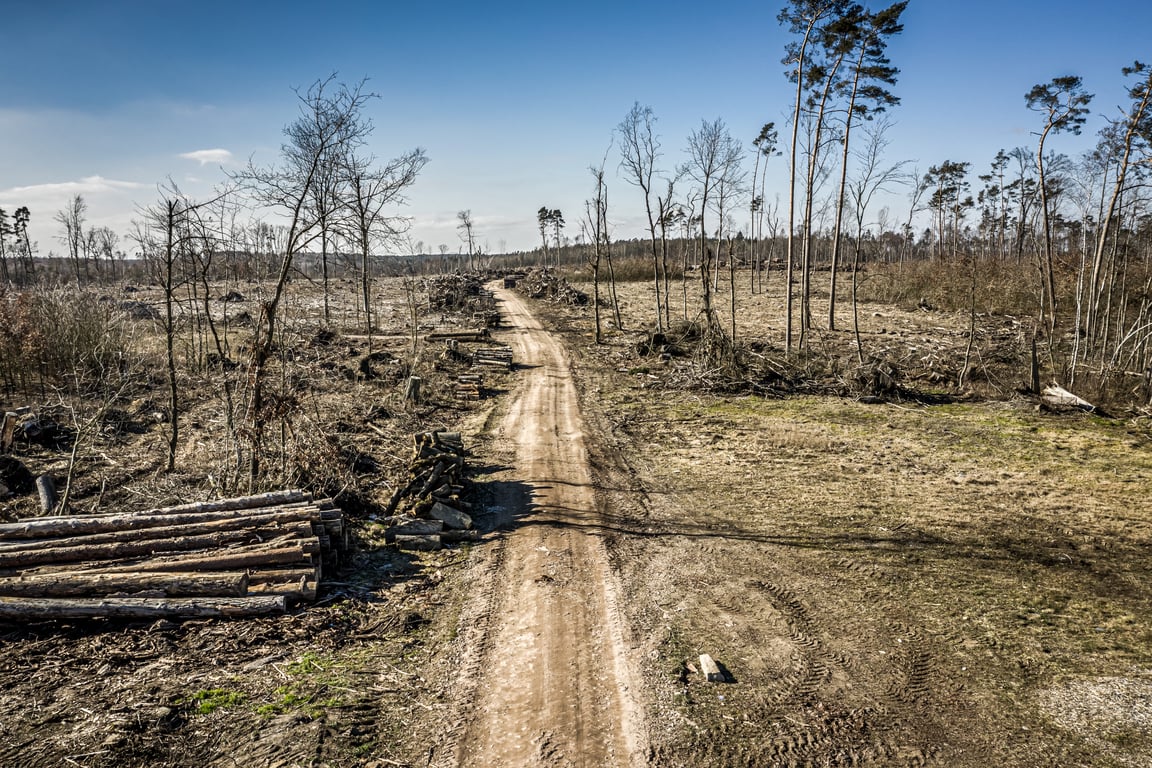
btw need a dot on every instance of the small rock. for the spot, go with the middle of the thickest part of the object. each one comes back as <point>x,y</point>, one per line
<point>452,518</point>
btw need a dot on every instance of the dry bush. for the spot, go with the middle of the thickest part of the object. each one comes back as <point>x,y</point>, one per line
<point>61,339</point>
<point>630,269</point>
<point>1002,287</point>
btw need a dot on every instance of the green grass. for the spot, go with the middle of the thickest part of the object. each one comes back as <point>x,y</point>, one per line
<point>209,700</point>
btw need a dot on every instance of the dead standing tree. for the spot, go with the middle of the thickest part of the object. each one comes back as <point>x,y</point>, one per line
<point>714,164</point>
<point>368,191</point>
<point>330,124</point>
<point>170,230</point>
<point>639,148</point>
<point>467,230</point>
<point>595,226</point>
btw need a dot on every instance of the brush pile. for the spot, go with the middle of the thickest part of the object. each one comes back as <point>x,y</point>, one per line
<point>244,556</point>
<point>543,283</point>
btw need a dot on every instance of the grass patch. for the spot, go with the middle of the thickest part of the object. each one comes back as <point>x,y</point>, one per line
<point>209,700</point>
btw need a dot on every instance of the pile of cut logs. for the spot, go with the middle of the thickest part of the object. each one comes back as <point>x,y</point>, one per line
<point>492,357</point>
<point>468,386</point>
<point>478,334</point>
<point>427,511</point>
<point>245,556</point>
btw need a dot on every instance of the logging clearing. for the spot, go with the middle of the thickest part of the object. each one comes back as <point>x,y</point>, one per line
<point>525,580</point>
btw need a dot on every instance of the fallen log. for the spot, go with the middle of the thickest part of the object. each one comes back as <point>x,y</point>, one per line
<point>40,555</point>
<point>266,526</point>
<point>46,527</point>
<point>299,553</point>
<point>459,537</point>
<point>281,575</point>
<point>140,607</point>
<point>294,590</point>
<point>452,518</point>
<point>1058,397</point>
<point>95,584</point>
<point>419,543</point>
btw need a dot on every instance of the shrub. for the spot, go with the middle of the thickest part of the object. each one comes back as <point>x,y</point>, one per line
<point>61,339</point>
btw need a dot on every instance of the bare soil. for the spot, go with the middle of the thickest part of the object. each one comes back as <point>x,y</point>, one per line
<point>887,584</point>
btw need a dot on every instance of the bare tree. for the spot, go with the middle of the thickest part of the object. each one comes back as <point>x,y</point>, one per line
<point>595,226</point>
<point>72,219</point>
<point>714,165</point>
<point>467,233</point>
<point>330,122</point>
<point>166,236</point>
<point>369,192</point>
<point>639,150</point>
<point>1133,131</point>
<point>872,176</point>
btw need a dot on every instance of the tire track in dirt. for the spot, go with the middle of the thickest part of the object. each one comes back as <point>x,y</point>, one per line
<point>543,679</point>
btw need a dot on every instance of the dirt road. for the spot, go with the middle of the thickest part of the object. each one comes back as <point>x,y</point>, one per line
<point>545,680</point>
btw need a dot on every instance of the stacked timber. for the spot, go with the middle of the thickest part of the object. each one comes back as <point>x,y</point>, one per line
<point>426,511</point>
<point>468,386</point>
<point>245,556</point>
<point>484,309</point>
<point>492,357</point>
<point>468,334</point>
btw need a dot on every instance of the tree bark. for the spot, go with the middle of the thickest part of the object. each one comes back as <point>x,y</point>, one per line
<point>126,549</point>
<point>156,528</point>
<point>46,488</point>
<point>79,584</point>
<point>140,607</point>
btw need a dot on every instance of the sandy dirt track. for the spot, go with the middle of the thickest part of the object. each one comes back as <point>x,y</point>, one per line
<point>548,681</point>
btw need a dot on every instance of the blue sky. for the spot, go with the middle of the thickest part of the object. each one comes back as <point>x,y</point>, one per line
<point>511,101</point>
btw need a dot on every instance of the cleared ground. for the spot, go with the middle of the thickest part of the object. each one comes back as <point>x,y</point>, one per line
<point>894,584</point>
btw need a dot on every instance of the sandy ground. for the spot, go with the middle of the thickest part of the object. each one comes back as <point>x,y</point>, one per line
<point>548,683</point>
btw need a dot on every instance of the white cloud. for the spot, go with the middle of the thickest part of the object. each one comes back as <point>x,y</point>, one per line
<point>206,156</point>
<point>88,185</point>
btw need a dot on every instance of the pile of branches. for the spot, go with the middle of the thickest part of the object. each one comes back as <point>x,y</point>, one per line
<point>427,511</point>
<point>543,283</point>
<point>246,556</point>
<point>454,293</point>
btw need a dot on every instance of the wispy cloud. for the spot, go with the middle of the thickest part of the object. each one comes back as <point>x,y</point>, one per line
<point>206,156</point>
<point>87,185</point>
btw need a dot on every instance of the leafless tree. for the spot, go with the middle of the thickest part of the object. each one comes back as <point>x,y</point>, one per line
<point>330,124</point>
<point>466,227</point>
<point>72,218</point>
<point>639,150</point>
<point>369,193</point>
<point>714,161</point>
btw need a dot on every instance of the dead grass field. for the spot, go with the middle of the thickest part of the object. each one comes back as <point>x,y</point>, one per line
<point>892,584</point>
